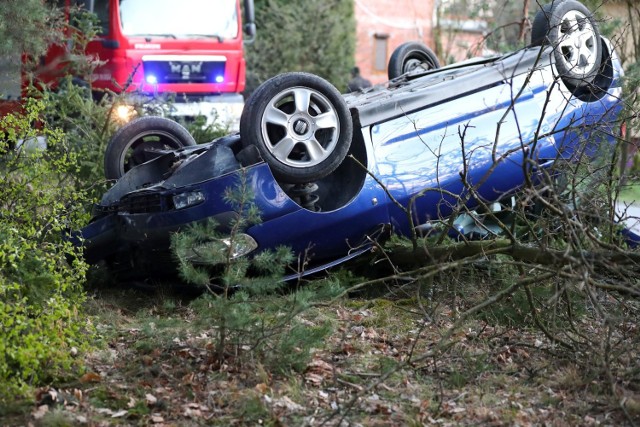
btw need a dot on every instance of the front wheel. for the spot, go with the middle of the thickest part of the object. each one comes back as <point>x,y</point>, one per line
<point>301,125</point>
<point>569,27</point>
<point>141,140</point>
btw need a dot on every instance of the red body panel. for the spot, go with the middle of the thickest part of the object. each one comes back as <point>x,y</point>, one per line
<point>124,68</point>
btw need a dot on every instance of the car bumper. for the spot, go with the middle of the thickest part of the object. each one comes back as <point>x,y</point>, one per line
<point>221,110</point>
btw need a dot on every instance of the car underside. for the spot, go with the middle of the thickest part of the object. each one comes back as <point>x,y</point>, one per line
<point>332,174</point>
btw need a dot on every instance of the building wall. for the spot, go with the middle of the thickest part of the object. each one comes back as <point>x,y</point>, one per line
<point>626,40</point>
<point>382,25</point>
<point>458,43</point>
<point>625,16</point>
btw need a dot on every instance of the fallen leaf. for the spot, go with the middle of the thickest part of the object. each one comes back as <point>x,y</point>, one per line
<point>314,379</point>
<point>382,409</point>
<point>319,366</point>
<point>120,413</point>
<point>51,396</point>
<point>40,412</point>
<point>192,413</point>
<point>347,349</point>
<point>90,377</point>
<point>194,410</point>
<point>290,405</point>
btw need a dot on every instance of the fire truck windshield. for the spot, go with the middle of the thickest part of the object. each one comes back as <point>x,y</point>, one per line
<point>186,18</point>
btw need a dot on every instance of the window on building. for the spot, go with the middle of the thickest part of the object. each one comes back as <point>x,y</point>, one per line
<point>380,42</point>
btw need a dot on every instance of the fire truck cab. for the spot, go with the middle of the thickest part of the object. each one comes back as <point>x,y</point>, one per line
<point>188,51</point>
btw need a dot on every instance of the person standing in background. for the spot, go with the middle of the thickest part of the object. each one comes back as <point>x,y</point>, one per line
<point>357,82</point>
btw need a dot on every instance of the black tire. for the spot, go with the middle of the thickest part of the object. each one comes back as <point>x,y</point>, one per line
<point>540,26</point>
<point>577,59</point>
<point>282,119</point>
<point>409,56</point>
<point>135,142</point>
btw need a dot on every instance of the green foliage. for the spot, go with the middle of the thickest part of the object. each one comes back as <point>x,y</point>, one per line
<point>85,116</point>
<point>316,36</point>
<point>87,125</point>
<point>41,274</point>
<point>203,132</point>
<point>28,26</point>
<point>254,319</point>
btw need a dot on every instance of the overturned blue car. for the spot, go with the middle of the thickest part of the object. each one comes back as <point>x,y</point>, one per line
<point>332,173</point>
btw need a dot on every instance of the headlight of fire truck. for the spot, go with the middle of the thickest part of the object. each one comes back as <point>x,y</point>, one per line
<point>124,113</point>
<point>222,110</point>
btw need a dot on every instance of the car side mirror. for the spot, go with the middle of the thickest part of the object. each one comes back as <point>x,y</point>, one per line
<point>250,30</point>
<point>249,20</point>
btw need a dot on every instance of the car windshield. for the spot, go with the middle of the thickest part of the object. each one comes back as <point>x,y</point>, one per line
<point>186,18</point>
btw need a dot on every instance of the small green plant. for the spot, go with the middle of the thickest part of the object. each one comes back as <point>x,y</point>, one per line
<point>255,315</point>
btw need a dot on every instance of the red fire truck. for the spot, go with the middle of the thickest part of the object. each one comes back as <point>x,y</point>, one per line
<point>188,50</point>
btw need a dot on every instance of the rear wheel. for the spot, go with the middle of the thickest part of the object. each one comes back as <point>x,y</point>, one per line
<point>410,56</point>
<point>140,141</point>
<point>300,124</point>
<point>569,27</point>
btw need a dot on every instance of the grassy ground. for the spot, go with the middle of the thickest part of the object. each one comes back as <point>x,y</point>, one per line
<point>379,366</point>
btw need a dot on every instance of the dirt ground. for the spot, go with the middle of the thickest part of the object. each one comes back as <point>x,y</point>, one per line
<point>381,365</point>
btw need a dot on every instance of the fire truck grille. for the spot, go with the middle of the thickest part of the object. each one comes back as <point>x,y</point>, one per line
<point>184,71</point>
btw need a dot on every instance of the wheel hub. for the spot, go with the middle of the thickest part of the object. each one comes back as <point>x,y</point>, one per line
<point>300,127</point>
<point>577,43</point>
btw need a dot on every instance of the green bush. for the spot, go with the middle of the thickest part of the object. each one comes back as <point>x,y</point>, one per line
<point>316,36</point>
<point>28,26</point>
<point>41,275</point>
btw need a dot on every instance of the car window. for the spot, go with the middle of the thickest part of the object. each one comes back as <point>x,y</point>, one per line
<point>101,9</point>
<point>170,18</point>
